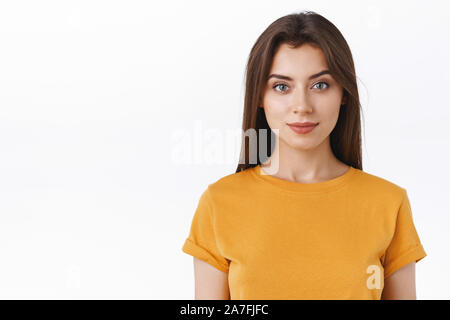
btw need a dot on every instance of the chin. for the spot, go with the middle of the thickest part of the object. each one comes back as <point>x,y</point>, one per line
<point>304,146</point>
<point>300,143</point>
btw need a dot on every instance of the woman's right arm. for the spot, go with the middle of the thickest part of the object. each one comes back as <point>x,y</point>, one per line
<point>210,282</point>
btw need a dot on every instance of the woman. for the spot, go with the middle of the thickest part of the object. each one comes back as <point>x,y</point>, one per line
<point>301,220</point>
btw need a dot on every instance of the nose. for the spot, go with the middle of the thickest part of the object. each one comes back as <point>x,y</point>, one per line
<point>299,102</point>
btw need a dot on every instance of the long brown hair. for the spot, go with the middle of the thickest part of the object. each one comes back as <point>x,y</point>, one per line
<point>297,29</point>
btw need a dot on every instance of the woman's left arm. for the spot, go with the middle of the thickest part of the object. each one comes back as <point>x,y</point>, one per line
<point>401,285</point>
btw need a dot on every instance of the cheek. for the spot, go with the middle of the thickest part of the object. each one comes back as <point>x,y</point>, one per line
<point>275,105</point>
<point>327,108</point>
<point>275,115</point>
<point>329,114</point>
<point>275,110</point>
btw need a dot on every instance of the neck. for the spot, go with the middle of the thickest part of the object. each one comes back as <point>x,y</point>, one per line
<point>305,165</point>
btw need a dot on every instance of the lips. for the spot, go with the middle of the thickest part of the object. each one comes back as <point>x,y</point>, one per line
<point>302,127</point>
<point>302,124</point>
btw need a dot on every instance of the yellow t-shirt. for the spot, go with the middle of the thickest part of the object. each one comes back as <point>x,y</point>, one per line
<point>279,239</point>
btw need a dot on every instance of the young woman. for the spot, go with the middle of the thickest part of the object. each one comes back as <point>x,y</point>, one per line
<point>303,221</point>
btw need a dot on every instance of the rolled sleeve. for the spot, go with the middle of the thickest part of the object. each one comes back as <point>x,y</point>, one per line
<point>405,246</point>
<point>202,241</point>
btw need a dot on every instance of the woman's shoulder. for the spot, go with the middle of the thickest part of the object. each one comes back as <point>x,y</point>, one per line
<point>377,184</point>
<point>232,182</point>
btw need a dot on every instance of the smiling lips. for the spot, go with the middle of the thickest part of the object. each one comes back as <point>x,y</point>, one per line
<point>302,127</point>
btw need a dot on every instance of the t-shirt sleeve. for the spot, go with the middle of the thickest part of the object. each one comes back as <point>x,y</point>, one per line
<point>405,246</point>
<point>201,242</point>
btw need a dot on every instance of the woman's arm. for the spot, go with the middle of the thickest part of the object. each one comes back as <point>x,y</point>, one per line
<point>210,283</point>
<point>401,285</point>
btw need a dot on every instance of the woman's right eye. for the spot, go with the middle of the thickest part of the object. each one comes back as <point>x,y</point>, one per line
<point>279,84</point>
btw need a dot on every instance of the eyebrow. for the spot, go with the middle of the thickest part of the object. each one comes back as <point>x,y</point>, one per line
<point>273,75</point>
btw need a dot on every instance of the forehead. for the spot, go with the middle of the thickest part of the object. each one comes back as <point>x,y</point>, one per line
<point>300,62</point>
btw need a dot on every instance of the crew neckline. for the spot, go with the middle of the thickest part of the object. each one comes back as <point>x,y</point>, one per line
<point>287,185</point>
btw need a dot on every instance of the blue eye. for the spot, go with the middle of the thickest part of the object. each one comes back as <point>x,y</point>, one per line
<point>320,83</point>
<point>279,84</point>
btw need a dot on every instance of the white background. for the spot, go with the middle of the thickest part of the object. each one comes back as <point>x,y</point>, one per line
<point>92,204</point>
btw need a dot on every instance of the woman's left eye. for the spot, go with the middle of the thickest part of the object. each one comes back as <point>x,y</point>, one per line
<point>327,85</point>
